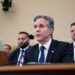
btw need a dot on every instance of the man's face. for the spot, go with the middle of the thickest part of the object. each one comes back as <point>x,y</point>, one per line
<point>72,30</point>
<point>23,40</point>
<point>42,31</point>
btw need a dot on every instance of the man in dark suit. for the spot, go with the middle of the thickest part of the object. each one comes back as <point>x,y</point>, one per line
<point>17,56</point>
<point>53,51</point>
<point>72,45</point>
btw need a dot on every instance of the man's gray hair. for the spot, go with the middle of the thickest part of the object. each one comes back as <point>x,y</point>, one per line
<point>47,18</point>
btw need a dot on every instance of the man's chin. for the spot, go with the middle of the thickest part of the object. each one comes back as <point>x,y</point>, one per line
<point>74,40</point>
<point>20,45</point>
<point>23,46</point>
<point>39,40</point>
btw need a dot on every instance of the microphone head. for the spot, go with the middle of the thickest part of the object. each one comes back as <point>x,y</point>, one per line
<point>31,36</point>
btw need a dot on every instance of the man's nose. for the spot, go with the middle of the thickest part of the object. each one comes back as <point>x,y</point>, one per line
<point>37,29</point>
<point>20,40</point>
<point>74,32</point>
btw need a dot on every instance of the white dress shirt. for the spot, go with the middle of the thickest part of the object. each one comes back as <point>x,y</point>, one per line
<point>74,49</point>
<point>22,59</point>
<point>47,45</point>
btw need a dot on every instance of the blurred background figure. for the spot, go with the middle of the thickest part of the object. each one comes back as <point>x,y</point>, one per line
<point>1,44</point>
<point>17,56</point>
<point>72,44</point>
<point>7,48</point>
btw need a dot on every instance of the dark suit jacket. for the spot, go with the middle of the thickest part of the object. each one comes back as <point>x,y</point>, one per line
<point>71,48</point>
<point>58,53</point>
<point>13,56</point>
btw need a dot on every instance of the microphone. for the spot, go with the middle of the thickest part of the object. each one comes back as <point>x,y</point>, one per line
<point>31,36</point>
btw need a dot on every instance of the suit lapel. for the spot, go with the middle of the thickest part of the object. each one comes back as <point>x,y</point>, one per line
<point>72,46</point>
<point>36,53</point>
<point>72,49</point>
<point>51,51</point>
<point>17,54</point>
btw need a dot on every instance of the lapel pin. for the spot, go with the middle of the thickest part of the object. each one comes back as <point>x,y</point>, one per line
<point>52,51</point>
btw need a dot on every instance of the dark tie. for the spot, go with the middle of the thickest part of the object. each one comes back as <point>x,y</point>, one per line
<point>21,57</point>
<point>42,57</point>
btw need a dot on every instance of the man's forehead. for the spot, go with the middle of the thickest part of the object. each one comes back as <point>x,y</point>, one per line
<point>40,21</point>
<point>72,27</point>
<point>22,35</point>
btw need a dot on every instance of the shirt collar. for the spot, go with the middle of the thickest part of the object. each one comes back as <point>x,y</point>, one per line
<point>73,43</point>
<point>24,48</point>
<point>46,45</point>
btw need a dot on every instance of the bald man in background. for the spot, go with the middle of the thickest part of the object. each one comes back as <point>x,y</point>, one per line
<point>17,56</point>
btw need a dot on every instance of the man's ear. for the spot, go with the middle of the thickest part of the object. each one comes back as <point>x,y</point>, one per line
<point>51,31</point>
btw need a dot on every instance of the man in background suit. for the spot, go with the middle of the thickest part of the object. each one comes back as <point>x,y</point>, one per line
<point>54,51</point>
<point>72,45</point>
<point>17,56</point>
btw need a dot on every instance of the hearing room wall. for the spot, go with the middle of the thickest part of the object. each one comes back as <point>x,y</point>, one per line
<point>20,18</point>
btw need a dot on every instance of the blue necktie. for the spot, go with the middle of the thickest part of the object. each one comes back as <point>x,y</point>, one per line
<point>42,57</point>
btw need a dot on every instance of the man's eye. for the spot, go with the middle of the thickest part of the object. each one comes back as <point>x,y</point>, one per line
<point>35,26</point>
<point>21,38</point>
<point>41,26</point>
<point>72,30</point>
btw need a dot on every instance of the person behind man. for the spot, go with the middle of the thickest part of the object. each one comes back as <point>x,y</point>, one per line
<point>53,51</point>
<point>1,44</point>
<point>17,56</point>
<point>7,48</point>
<point>72,44</point>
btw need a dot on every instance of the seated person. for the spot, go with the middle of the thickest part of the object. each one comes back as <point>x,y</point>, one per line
<point>48,50</point>
<point>1,44</point>
<point>17,56</point>
<point>72,44</point>
<point>7,48</point>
